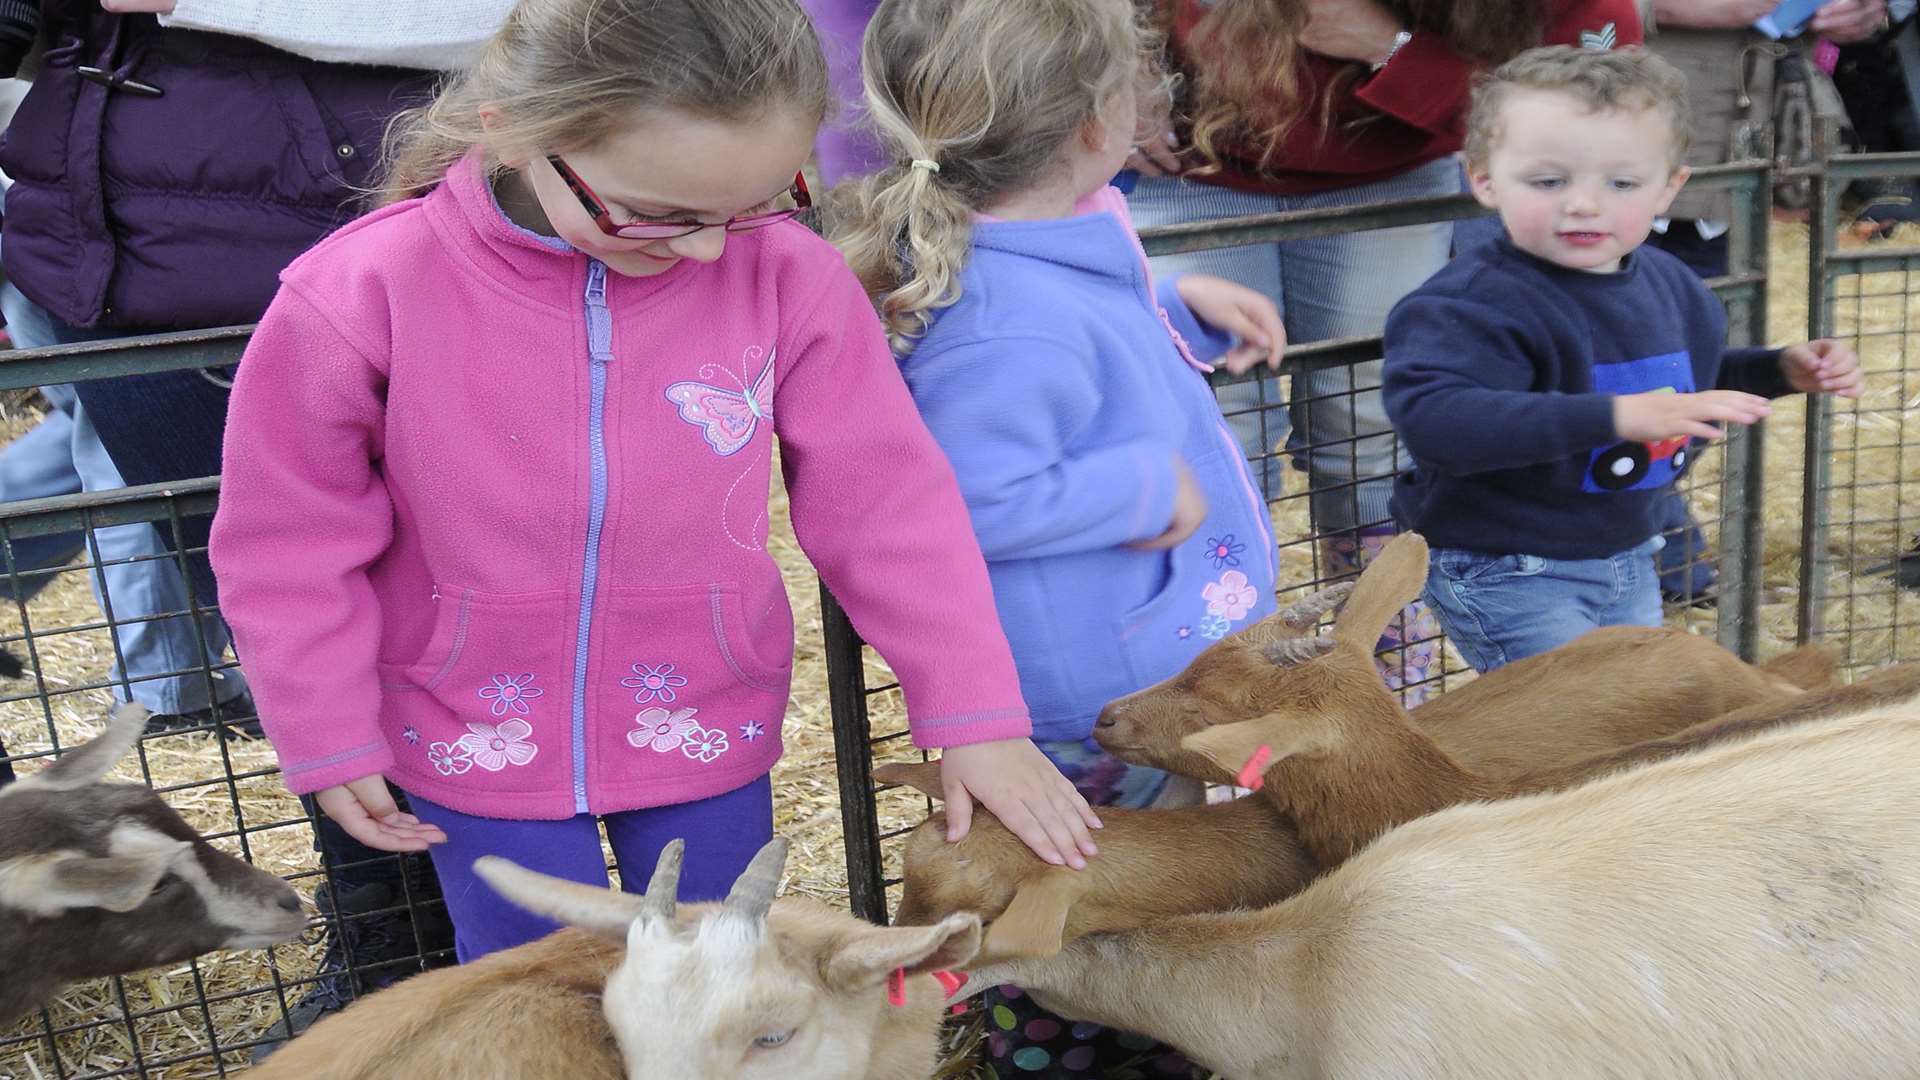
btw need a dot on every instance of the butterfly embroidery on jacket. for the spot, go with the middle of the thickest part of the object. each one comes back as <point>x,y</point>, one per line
<point>727,416</point>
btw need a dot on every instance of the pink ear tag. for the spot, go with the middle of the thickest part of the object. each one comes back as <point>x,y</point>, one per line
<point>950,982</point>
<point>1253,775</point>
<point>897,987</point>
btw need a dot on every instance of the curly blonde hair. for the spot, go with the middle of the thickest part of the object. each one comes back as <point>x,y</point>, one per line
<point>985,93</point>
<point>1599,81</point>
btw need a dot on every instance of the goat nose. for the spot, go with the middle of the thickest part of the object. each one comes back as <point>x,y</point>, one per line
<point>289,901</point>
<point>1107,717</point>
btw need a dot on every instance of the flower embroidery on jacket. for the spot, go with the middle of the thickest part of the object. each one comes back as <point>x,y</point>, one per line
<point>1231,597</point>
<point>752,731</point>
<point>653,682</point>
<point>450,760</point>
<point>662,730</point>
<point>495,747</point>
<point>1224,551</point>
<point>1214,627</point>
<point>410,735</point>
<point>510,693</point>
<point>705,744</point>
<point>1183,632</point>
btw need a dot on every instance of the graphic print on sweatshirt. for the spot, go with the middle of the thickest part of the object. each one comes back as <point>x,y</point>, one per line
<point>1638,466</point>
<point>729,408</point>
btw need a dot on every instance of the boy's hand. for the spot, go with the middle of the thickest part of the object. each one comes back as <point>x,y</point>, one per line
<point>1658,415</point>
<point>1240,311</point>
<point>1189,511</point>
<point>366,810</point>
<point>1012,778</point>
<point>1822,367</point>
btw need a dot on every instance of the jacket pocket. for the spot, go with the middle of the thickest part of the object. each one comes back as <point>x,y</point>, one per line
<point>489,694</point>
<point>688,677</point>
<point>1153,635</point>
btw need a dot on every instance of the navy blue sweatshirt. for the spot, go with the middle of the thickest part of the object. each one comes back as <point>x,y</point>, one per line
<point>1500,376</point>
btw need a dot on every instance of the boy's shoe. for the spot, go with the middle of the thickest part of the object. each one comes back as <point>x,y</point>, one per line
<point>237,717</point>
<point>371,947</point>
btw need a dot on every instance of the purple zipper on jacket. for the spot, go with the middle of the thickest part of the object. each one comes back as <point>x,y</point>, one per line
<point>599,354</point>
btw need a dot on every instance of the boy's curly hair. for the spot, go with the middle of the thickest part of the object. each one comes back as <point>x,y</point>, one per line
<point>1602,81</point>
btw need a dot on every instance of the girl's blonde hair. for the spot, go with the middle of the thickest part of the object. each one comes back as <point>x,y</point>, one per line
<point>1245,65</point>
<point>566,74</point>
<point>984,93</point>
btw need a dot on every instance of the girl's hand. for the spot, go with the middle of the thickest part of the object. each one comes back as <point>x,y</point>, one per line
<point>1012,778</point>
<point>1189,510</point>
<point>1658,415</point>
<point>1711,14</point>
<point>129,7</point>
<point>1350,29</point>
<point>366,810</point>
<point>1822,367</point>
<point>1245,313</point>
<point>1156,155</point>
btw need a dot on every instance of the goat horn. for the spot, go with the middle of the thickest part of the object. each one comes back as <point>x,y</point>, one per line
<point>1304,613</point>
<point>753,890</point>
<point>658,903</point>
<point>1289,651</point>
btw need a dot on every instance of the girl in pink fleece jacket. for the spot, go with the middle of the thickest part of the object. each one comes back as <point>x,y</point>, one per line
<point>494,516</point>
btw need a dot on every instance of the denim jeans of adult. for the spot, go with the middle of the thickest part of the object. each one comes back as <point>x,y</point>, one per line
<point>63,455</point>
<point>1326,287</point>
<point>1502,608</point>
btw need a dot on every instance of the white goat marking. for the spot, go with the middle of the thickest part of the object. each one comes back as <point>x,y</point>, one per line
<point>1463,969</point>
<point>1539,952</point>
<point>24,884</point>
<point>1652,984</point>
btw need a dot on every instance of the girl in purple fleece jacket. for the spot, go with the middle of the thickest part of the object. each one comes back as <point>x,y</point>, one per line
<point>1122,530</point>
<point>494,517</point>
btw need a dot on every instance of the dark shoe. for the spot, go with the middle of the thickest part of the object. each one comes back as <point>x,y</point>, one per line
<point>371,946</point>
<point>236,717</point>
<point>10,665</point>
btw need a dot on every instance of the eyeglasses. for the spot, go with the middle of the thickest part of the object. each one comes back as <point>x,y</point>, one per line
<point>667,229</point>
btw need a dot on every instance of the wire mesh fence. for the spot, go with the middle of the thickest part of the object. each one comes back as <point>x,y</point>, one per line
<point>206,1017</point>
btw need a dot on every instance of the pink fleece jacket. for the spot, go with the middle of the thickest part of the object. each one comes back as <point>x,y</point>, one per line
<point>494,520</point>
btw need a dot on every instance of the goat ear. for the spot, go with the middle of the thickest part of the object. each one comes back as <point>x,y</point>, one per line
<point>1232,746</point>
<point>62,881</point>
<point>869,956</point>
<point>1035,922</point>
<point>90,761</point>
<point>921,776</point>
<point>607,913</point>
<point>1390,582</point>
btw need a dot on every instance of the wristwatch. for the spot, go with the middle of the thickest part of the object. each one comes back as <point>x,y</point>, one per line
<point>1399,40</point>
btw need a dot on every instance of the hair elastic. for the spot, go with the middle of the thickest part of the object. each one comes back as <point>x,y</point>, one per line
<point>924,163</point>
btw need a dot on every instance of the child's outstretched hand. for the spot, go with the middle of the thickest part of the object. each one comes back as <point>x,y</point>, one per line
<point>1662,414</point>
<point>1012,778</point>
<point>1822,367</point>
<point>366,810</point>
<point>1247,315</point>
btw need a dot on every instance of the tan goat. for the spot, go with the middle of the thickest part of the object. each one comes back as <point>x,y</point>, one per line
<point>1612,688</point>
<point>1748,910</point>
<point>752,987</point>
<point>100,878</point>
<point>1152,864</point>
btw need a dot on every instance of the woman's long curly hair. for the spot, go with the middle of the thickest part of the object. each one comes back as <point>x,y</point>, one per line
<point>1245,68</point>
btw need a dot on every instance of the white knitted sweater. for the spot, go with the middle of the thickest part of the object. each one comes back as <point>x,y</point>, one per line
<point>439,35</point>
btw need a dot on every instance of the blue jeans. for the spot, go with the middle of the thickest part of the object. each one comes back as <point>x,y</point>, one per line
<point>1502,608</point>
<point>722,835</point>
<point>63,455</point>
<point>1327,287</point>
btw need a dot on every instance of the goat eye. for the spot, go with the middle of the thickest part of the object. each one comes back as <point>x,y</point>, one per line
<point>778,1038</point>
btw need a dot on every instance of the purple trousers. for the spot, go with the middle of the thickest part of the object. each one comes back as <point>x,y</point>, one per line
<point>843,148</point>
<point>722,834</point>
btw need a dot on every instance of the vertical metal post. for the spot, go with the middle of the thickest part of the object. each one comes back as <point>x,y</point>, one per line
<point>853,761</point>
<point>1743,480</point>
<point>1823,218</point>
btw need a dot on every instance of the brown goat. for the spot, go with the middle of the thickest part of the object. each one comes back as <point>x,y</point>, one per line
<point>753,987</point>
<point>1614,687</point>
<point>99,878</point>
<point>1345,777</point>
<point>1152,864</point>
